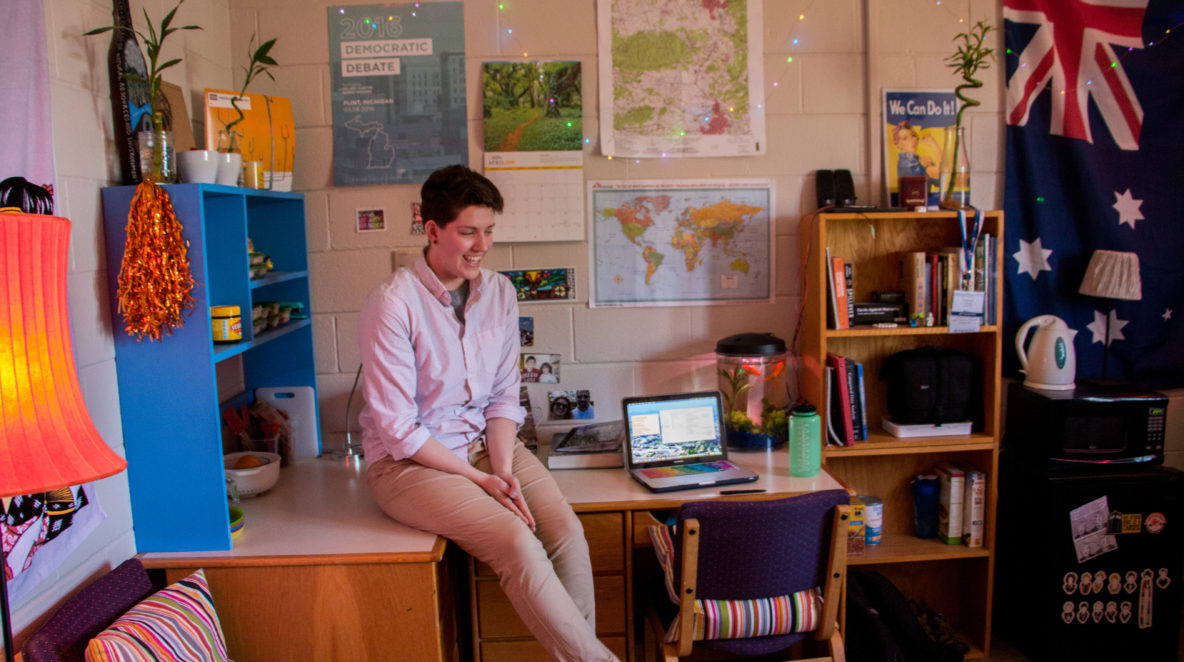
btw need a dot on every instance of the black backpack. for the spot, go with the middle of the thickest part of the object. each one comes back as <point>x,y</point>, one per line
<point>932,385</point>
<point>881,626</point>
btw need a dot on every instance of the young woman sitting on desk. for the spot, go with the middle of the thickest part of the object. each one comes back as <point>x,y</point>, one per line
<point>439,346</point>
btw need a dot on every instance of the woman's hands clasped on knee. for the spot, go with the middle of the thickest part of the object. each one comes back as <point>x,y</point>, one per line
<point>507,491</point>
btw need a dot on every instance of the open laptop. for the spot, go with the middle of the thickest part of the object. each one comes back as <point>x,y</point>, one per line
<point>678,442</point>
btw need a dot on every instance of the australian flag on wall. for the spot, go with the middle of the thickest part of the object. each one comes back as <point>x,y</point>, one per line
<point>1095,160</point>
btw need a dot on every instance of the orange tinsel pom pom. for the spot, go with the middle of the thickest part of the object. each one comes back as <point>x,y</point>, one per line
<point>155,281</point>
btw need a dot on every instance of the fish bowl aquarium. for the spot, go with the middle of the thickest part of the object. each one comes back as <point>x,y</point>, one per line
<point>751,369</point>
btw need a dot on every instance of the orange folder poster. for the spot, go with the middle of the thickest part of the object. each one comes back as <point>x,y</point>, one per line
<point>267,133</point>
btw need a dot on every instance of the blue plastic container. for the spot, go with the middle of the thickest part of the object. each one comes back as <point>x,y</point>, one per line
<point>925,494</point>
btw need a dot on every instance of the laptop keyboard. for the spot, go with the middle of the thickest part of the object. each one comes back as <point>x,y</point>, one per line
<point>686,469</point>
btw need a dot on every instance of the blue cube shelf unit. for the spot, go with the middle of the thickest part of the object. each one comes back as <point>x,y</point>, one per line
<point>168,392</point>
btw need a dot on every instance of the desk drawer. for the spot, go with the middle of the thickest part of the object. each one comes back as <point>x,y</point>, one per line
<point>531,651</point>
<point>496,616</point>
<point>605,533</point>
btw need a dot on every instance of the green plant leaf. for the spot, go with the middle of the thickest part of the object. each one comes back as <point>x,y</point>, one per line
<point>168,64</point>
<point>168,18</point>
<point>262,51</point>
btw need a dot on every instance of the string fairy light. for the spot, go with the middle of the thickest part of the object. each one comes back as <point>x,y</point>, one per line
<point>792,40</point>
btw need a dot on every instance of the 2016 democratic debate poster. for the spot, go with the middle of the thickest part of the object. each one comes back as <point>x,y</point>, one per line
<point>1093,163</point>
<point>397,75</point>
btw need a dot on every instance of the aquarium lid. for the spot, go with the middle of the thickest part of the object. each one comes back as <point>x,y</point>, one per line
<point>750,344</point>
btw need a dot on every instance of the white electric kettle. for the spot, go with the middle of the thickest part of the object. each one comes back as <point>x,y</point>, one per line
<point>1050,362</point>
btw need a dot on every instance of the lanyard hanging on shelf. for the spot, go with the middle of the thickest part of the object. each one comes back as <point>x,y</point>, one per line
<point>969,244</point>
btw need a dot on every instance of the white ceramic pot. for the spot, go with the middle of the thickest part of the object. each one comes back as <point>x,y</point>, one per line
<point>230,165</point>
<point>198,166</point>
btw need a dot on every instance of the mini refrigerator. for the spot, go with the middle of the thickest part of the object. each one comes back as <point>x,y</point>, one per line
<point>1089,561</point>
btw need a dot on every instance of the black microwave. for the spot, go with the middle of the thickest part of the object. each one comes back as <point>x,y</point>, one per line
<point>1102,425</point>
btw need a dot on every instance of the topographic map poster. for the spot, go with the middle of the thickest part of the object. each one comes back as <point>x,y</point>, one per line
<point>681,78</point>
<point>680,242</point>
<point>397,74</point>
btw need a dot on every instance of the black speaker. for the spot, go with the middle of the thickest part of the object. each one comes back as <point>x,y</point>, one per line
<point>844,191</point>
<point>824,185</point>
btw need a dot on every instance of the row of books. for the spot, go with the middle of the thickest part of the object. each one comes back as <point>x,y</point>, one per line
<point>930,279</point>
<point>846,401</point>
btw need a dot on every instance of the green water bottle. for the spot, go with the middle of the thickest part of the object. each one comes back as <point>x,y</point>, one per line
<point>805,441</point>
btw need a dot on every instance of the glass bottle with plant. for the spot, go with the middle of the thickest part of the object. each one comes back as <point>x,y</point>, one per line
<point>259,62</point>
<point>972,55</point>
<point>160,164</point>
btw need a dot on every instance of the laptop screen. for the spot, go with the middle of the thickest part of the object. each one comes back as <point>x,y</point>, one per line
<point>674,429</point>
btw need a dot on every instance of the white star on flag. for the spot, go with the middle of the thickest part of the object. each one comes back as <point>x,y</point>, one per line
<point>1098,327</point>
<point>1033,258</point>
<point>1128,208</point>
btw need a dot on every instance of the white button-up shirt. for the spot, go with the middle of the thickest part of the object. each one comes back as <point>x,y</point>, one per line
<point>425,374</point>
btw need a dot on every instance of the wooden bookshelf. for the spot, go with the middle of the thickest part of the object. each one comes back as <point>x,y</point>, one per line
<point>953,579</point>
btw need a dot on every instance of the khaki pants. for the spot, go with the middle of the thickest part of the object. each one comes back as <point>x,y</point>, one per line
<point>546,574</point>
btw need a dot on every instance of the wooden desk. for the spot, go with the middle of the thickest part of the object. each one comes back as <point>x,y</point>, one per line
<point>319,572</point>
<point>615,511</point>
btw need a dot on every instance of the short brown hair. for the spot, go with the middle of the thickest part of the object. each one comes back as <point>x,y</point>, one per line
<point>451,189</point>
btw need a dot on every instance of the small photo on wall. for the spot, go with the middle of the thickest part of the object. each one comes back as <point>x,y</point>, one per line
<point>371,220</point>
<point>526,331</point>
<point>543,284</point>
<point>541,368</point>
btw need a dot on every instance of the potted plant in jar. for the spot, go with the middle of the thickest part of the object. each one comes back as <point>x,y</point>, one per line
<point>259,62</point>
<point>971,56</point>
<point>230,158</point>
<point>155,146</point>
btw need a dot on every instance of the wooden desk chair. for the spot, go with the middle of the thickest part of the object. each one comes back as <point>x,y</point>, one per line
<point>754,578</point>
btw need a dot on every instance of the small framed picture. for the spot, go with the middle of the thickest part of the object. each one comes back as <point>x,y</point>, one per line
<point>534,285</point>
<point>540,368</point>
<point>526,331</point>
<point>569,404</point>
<point>371,220</point>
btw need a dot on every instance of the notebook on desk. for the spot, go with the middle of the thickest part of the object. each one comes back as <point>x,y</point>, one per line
<point>678,442</point>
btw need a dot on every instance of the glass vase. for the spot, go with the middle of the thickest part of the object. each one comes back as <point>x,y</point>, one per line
<point>158,160</point>
<point>955,169</point>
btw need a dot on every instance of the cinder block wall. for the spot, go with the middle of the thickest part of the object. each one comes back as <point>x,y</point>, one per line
<point>817,111</point>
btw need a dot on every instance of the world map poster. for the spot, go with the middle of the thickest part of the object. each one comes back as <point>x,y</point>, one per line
<point>397,77</point>
<point>680,242</point>
<point>681,78</point>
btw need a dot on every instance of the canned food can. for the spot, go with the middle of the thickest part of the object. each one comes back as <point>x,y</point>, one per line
<point>227,323</point>
<point>874,509</point>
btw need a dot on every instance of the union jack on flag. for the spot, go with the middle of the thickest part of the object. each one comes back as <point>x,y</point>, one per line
<point>1094,161</point>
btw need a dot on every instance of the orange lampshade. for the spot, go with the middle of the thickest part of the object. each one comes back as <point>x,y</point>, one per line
<point>47,439</point>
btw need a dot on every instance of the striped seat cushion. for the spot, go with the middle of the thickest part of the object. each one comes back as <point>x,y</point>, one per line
<point>177,623</point>
<point>737,619</point>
